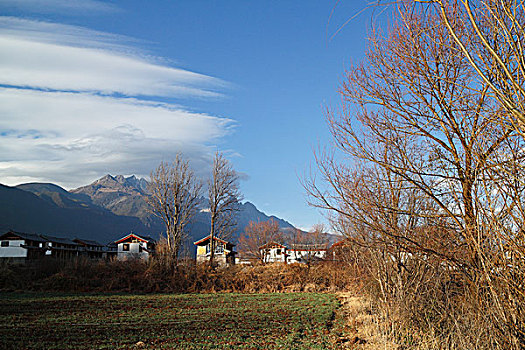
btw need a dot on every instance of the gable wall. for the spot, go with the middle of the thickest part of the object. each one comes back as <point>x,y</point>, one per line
<point>134,251</point>
<point>14,250</point>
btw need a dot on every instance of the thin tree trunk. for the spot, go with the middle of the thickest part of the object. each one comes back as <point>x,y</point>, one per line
<point>212,241</point>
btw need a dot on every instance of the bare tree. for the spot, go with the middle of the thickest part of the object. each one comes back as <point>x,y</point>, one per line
<point>223,196</point>
<point>174,193</point>
<point>495,48</point>
<point>425,120</point>
<point>256,235</point>
<point>308,246</point>
<point>312,244</point>
<point>435,170</point>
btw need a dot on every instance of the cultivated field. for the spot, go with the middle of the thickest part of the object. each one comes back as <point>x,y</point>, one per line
<point>185,321</point>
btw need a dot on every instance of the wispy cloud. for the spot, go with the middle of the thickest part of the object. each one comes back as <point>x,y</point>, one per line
<point>72,106</point>
<point>59,6</point>
<point>64,34</point>
<point>41,55</point>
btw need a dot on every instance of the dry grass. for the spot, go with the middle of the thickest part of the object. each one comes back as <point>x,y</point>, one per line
<point>424,306</point>
<point>362,328</point>
<point>137,276</point>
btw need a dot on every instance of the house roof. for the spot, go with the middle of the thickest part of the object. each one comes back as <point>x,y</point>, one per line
<point>272,244</point>
<point>308,250</point>
<point>340,243</point>
<point>58,240</point>
<point>88,242</point>
<point>297,247</point>
<point>25,236</point>
<point>207,238</point>
<point>309,247</point>
<point>140,238</point>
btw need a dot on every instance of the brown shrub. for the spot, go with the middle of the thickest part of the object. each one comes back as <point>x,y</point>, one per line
<point>155,276</point>
<point>423,304</point>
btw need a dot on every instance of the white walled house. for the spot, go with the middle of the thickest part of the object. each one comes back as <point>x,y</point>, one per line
<point>298,253</point>
<point>306,253</point>
<point>134,246</point>
<point>224,251</point>
<point>20,247</point>
<point>274,252</point>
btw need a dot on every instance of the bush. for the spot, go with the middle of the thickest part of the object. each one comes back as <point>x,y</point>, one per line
<point>155,276</point>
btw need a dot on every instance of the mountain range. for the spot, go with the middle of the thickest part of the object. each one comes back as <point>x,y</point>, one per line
<point>104,210</point>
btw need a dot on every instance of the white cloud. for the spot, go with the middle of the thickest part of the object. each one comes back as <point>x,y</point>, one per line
<point>71,115</point>
<point>64,34</point>
<point>38,55</point>
<point>59,6</point>
<point>72,107</point>
<point>71,138</point>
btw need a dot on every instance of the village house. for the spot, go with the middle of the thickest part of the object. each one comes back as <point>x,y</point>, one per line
<point>274,252</point>
<point>134,246</point>
<point>339,251</point>
<point>90,249</point>
<point>307,253</point>
<point>20,247</point>
<point>111,250</point>
<point>224,251</point>
<point>60,248</point>
<point>295,253</point>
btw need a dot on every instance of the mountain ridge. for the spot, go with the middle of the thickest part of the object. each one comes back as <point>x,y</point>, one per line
<point>28,212</point>
<point>111,205</point>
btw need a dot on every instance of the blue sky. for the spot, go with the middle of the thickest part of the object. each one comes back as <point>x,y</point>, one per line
<point>91,87</point>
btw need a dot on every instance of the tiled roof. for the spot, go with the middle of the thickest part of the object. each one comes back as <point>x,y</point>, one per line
<point>88,242</point>
<point>58,240</point>
<point>143,238</point>
<point>25,236</point>
<point>272,244</point>
<point>215,238</point>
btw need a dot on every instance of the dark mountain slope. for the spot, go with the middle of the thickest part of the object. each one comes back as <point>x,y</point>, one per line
<point>58,196</point>
<point>24,211</point>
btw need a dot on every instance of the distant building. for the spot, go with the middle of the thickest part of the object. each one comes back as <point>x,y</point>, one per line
<point>134,246</point>
<point>274,252</point>
<point>294,253</point>
<point>20,247</point>
<point>340,251</point>
<point>224,251</point>
<point>90,249</point>
<point>307,253</point>
<point>111,250</point>
<point>61,248</point>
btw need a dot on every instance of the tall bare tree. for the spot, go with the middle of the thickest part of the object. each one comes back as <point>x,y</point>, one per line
<point>223,196</point>
<point>307,245</point>
<point>174,193</point>
<point>495,47</point>
<point>256,235</point>
<point>424,119</point>
<point>435,170</point>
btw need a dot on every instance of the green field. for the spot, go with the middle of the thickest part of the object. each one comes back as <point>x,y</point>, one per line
<point>187,321</point>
